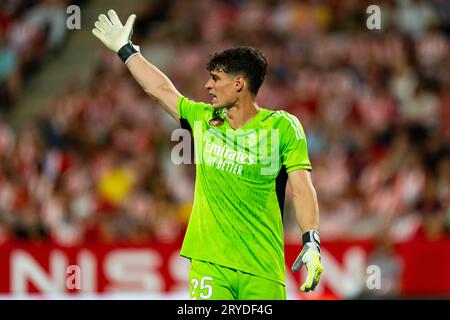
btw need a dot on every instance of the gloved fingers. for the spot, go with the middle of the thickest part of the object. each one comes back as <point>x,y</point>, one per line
<point>100,26</point>
<point>114,18</point>
<point>306,286</point>
<point>103,19</point>
<point>98,34</point>
<point>312,279</point>
<point>130,22</point>
<point>315,282</point>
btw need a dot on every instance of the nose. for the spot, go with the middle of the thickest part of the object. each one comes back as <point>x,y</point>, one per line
<point>208,84</point>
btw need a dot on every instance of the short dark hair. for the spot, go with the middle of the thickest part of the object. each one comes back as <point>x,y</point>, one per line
<point>246,60</point>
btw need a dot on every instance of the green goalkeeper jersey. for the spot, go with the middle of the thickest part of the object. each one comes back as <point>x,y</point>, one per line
<point>241,176</point>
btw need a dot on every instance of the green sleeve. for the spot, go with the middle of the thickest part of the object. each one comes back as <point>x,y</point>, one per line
<point>294,147</point>
<point>190,111</point>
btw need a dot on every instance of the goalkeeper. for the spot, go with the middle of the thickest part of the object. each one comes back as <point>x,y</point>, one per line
<point>234,239</point>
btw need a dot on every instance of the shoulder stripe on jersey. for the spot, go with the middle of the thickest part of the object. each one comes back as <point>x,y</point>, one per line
<point>294,124</point>
<point>297,122</point>
<point>282,114</point>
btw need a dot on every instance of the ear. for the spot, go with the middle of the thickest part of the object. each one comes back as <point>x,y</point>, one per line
<point>239,83</point>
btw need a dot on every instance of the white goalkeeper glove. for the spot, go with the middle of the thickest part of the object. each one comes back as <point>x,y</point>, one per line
<point>310,256</point>
<point>116,36</point>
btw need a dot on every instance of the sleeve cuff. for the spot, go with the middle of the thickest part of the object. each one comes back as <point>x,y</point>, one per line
<point>299,167</point>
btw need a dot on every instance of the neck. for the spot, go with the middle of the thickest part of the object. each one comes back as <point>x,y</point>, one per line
<point>241,113</point>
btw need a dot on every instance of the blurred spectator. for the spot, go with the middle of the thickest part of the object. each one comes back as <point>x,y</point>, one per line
<point>49,17</point>
<point>10,77</point>
<point>29,31</point>
<point>414,17</point>
<point>433,212</point>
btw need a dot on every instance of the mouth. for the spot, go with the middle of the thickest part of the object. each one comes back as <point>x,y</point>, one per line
<point>214,98</point>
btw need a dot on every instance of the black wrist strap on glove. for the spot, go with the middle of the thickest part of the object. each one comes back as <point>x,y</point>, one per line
<point>311,236</point>
<point>127,51</point>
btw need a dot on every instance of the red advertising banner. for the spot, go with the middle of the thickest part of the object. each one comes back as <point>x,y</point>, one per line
<point>351,268</point>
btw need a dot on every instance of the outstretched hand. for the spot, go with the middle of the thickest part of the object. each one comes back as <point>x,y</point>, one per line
<point>111,32</point>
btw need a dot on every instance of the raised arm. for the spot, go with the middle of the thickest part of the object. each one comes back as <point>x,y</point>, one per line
<point>117,38</point>
<point>155,83</point>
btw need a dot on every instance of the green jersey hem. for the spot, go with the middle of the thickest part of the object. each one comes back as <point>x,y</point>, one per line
<point>227,265</point>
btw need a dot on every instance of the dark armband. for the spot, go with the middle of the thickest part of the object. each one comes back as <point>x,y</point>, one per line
<point>127,51</point>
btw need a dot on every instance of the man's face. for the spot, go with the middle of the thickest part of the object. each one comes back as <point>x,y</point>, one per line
<point>222,87</point>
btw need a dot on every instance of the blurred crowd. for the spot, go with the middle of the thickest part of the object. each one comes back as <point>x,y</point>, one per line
<point>30,31</point>
<point>375,105</point>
